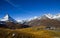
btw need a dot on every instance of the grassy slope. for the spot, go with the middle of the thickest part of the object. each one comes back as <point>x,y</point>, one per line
<point>28,33</point>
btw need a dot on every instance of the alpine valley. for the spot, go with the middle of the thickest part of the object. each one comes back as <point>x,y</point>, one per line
<point>45,26</point>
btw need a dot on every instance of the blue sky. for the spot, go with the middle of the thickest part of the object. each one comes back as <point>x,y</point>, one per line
<point>24,9</point>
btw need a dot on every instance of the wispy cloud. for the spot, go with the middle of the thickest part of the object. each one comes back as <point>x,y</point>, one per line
<point>9,1</point>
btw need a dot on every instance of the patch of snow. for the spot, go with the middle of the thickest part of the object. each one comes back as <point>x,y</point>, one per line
<point>35,17</point>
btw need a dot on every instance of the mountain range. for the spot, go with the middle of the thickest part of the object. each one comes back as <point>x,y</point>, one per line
<point>8,22</point>
<point>45,20</point>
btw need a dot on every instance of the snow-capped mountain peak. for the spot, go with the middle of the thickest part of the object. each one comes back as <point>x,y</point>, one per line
<point>45,16</point>
<point>48,16</point>
<point>7,18</point>
<point>57,16</point>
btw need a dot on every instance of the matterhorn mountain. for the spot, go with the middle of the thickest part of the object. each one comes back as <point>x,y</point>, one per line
<point>8,22</point>
<point>7,18</point>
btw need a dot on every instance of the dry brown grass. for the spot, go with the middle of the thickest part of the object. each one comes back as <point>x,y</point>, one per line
<point>28,33</point>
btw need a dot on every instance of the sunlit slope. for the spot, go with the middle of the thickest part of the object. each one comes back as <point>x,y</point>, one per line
<point>29,33</point>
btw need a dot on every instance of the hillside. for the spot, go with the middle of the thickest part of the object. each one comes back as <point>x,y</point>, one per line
<point>29,33</point>
<point>12,25</point>
<point>44,22</point>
